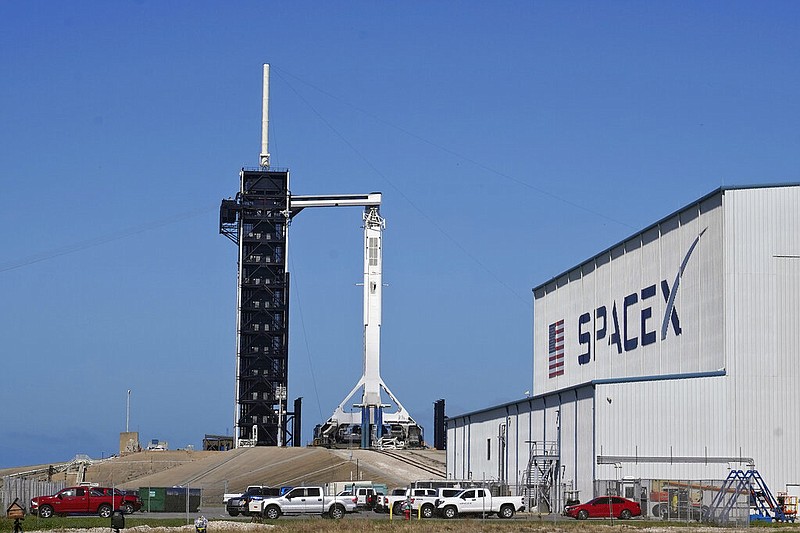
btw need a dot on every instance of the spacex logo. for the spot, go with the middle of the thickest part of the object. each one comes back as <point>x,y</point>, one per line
<point>627,326</point>
<point>671,300</point>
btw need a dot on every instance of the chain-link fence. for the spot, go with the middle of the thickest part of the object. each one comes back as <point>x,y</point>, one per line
<point>682,500</point>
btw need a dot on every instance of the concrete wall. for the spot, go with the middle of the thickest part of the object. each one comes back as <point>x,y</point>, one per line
<point>129,442</point>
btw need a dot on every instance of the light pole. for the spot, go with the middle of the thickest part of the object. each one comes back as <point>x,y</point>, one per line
<point>128,411</point>
<point>280,393</point>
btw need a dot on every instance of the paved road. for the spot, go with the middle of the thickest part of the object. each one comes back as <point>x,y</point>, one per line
<point>219,513</point>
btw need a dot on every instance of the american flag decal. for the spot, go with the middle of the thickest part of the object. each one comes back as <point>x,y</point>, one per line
<point>555,348</point>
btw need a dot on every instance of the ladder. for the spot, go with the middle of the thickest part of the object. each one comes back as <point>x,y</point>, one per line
<point>741,484</point>
<point>541,475</point>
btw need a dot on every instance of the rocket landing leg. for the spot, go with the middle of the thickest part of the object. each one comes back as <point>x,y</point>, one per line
<point>367,425</point>
<point>370,426</point>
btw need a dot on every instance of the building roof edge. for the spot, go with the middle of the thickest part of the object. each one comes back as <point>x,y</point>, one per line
<point>718,190</point>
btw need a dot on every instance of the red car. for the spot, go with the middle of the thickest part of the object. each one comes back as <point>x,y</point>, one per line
<point>604,507</point>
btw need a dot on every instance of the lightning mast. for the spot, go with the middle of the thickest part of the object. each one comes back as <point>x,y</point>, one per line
<point>257,221</point>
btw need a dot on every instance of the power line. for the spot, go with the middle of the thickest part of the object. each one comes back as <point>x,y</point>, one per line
<point>451,152</point>
<point>103,239</point>
<point>299,307</point>
<point>410,202</point>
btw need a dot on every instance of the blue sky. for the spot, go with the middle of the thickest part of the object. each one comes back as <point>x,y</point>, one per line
<point>510,140</point>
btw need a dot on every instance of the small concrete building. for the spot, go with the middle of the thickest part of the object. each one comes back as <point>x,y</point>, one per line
<point>673,355</point>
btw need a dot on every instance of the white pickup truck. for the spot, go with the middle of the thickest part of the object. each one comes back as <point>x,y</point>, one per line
<point>479,501</point>
<point>423,499</point>
<point>304,500</point>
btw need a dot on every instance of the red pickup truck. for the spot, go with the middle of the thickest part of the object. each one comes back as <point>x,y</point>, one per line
<point>85,500</point>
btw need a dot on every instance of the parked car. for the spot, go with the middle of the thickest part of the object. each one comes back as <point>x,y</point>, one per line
<point>304,500</point>
<point>380,502</point>
<point>130,498</point>
<point>604,507</point>
<point>228,495</point>
<point>382,506</point>
<point>426,500</point>
<point>479,500</point>
<point>365,497</point>
<point>85,500</point>
<point>414,497</point>
<point>241,504</point>
<point>446,492</point>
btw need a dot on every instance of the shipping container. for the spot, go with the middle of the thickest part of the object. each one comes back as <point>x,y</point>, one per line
<point>175,499</point>
<point>152,498</point>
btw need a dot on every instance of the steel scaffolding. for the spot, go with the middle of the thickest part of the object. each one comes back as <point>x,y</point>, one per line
<point>256,221</point>
<point>541,476</point>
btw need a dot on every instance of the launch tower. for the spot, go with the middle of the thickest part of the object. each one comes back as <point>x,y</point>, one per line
<point>257,221</point>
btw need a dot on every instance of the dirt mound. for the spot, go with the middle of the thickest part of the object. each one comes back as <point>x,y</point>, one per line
<point>217,473</point>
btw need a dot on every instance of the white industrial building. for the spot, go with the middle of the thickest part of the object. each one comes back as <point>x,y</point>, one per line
<point>671,355</point>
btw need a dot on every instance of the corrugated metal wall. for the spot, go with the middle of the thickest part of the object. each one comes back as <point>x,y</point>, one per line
<point>728,385</point>
<point>748,411</point>
<point>473,449</point>
<point>763,337</point>
<point>652,306</point>
<point>673,418</point>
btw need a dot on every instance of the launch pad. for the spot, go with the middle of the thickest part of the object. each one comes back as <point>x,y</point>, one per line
<point>257,220</point>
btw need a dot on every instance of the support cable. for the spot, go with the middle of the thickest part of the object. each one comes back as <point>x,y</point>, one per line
<point>103,239</point>
<point>299,307</point>
<point>456,154</point>
<point>430,219</point>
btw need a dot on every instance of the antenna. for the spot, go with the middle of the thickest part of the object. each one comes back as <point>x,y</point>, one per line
<point>264,157</point>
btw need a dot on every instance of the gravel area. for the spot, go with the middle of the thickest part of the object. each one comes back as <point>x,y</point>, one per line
<point>214,525</point>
